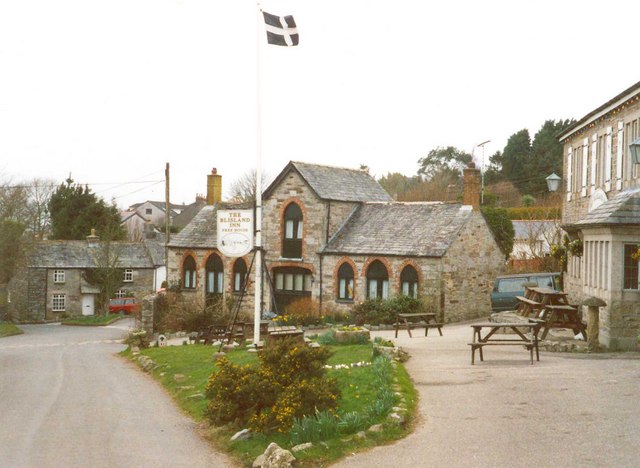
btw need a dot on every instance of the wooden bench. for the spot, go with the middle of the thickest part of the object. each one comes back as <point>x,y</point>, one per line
<point>526,306</point>
<point>562,316</point>
<point>426,320</point>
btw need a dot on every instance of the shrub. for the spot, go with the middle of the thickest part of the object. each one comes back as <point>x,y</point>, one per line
<point>304,311</point>
<point>501,227</point>
<point>289,383</point>
<point>173,313</point>
<point>137,337</point>
<point>385,311</point>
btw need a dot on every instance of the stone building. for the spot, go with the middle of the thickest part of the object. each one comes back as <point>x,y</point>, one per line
<point>601,209</point>
<point>334,235</point>
<point>52,282</point>
<point>195,265</point>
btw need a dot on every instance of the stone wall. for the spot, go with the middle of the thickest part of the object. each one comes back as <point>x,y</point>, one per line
<point>36,295</point>
<point>469,269</point>
<point>197,296</point>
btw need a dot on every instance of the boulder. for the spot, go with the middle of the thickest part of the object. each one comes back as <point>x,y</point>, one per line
<point>274,457</point>
<point>244,434</point>
<point>301,447</point>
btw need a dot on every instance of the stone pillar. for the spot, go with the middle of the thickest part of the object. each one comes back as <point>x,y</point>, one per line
<point>593,305</point>
<point>146,315</point>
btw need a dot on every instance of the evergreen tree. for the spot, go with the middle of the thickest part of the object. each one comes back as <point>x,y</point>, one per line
<point>75,210</point>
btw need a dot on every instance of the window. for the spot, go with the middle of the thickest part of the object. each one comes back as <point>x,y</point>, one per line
<point>292,240</point>
<point>58,302</point>
<point>239,275</point>
<point>58,276</point>
<point>128,275</point>
<point>148,211</point>
<point>345,282</point>
<point>189,273</point>
<point>291,284</point>
<point>214,275</point>
<point>630,267</point>
<point>120,293</point>
<point>377,281</point>
<point>409,281</point>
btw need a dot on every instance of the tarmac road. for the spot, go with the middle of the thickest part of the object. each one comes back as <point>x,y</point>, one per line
<point>66,400</point>
<point>569,410</point>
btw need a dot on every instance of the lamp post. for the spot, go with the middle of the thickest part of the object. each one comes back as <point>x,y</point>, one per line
<point>634,148</point>
<point>481,145</point>
<point>553,182</point>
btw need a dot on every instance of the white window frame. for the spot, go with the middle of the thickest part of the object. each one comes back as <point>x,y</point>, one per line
<point>58,302</point>
<point>59,276</point>
<point>120,293</point>
<point>128,275</point>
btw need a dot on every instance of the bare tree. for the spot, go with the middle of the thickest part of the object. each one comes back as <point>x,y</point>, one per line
<point>243,189</point>
<point>40,191</point>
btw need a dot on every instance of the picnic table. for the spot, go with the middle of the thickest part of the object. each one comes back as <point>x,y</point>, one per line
<point>287,331</point>
<point>553,308</point>
<point>410,321</point>
<point>528,338</point>
<point>221,331</point>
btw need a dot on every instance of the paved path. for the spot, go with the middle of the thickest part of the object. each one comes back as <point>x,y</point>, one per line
<point>66,400</point>
<point>566,410</point>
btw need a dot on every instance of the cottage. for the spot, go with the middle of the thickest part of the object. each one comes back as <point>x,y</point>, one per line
<point>53,281</point>
<point>601,212</point>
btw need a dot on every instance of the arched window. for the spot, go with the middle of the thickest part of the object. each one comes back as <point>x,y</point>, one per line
<point>345,282</point>
<point>292,239</point>
<point>215,275</point>
<point>189,273</point>
<point>377,281</point>
<point>409,281</point>
<point>239,275</point>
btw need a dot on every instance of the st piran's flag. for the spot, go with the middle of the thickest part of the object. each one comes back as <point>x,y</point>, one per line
<point>281,30</point>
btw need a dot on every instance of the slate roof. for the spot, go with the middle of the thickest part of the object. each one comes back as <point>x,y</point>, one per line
<point>83,254</point>
<point>419,229</point>
<point>201,232</point>
<point>623,209</point>
<point>186,215</point>
<point>336,183</point>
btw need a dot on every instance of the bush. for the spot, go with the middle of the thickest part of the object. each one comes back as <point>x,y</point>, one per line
<point>501,227</point>
<point>172,313</point>
<point>386,311</point>
<point>289,383</point>
<point>303,312</point>
<point>137,337</point>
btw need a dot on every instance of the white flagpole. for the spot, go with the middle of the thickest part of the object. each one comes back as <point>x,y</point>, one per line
<point>258,244</point>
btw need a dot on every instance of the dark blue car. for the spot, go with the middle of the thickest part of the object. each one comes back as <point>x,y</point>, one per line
<point>507,287</point>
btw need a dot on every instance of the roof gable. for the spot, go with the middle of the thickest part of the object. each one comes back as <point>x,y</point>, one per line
<point>406,229</point>
<point>334,183</point>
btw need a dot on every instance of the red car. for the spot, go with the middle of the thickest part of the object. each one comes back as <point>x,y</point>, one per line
<point>126,305</point>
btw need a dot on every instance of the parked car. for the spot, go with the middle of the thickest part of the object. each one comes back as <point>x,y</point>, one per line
<point>125,305</point>
<point>507,287</point>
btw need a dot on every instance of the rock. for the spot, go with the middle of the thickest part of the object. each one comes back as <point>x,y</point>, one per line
<point>301,447</point>
<point>218,355</point>
<point>258,462</point>
<point>244,434</point>
<point>398,409</point>
<point>179,378</point>
<point>375,428</point>
<point>186,387</point>
<point>274,457</point>
<point>314,345</point>
<point>135,350</point>
<point>360,435</point>
<point>196,396</point>
<point>228,347</point>
<point>396,418</point>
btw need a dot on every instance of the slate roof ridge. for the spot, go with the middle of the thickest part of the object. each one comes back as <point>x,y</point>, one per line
<point>622,209</point>
<point>331,166</point>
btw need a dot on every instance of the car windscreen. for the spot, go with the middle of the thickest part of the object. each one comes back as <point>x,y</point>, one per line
<point>511,284</point>
<point>543,281</point>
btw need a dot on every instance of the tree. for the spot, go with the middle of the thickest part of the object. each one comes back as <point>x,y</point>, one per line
<point>396,183</point>
<point>516,158</point>
<point>10,247</point>
<point>75,210</point>
<point>243,189</point>
<point>40,191</point>
<point>107,274</point>
<point>441,159</point>
<point>501,227</point>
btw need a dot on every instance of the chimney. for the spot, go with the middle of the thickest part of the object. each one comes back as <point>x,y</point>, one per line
<point>471,186</point>
<point>214,187</point>
<point>91,238</point>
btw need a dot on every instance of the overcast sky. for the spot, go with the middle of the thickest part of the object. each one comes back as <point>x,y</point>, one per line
<point>110,91</point>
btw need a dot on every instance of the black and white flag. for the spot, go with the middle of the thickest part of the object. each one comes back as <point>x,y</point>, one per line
<point>281,30</point>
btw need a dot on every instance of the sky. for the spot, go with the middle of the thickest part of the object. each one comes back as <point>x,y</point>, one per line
<point>111,91</point>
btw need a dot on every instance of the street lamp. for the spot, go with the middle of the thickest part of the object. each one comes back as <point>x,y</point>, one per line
<point>634,147</point>
<point>553,182</point>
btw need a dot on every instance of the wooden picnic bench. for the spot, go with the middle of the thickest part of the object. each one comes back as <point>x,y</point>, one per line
<point>218,332</point>
<point>418,320</point>
<point>528,339</point>
<point>284,332</point>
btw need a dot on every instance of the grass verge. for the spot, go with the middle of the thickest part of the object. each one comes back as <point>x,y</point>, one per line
<point>185,370</point>
<point>8,329</point>
<point>92,320</point>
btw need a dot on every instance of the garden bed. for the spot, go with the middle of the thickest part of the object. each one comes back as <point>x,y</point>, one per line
<point>184,371</point>
<point>92,320</point>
